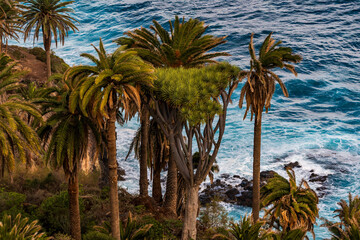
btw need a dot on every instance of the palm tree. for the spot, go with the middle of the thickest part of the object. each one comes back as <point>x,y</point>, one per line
<point>349,226</point>
<point>112,84</point>
<point>258,91</point>
<point>10,21</point>
<point>53,18</point>
<point>20,228</point>
<point>16,136</point>
<point>131,230</point>
<point>158,155</point>
<point>36,95</point>
<point>245,230</point>
<point>292,206</point>
<point>67,134</point>
<point>346,212</point>
<point>350,231</point>
<point>294,234</point>
<point>186,45</point>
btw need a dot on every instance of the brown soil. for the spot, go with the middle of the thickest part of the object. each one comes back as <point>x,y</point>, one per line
<point>36,69</point>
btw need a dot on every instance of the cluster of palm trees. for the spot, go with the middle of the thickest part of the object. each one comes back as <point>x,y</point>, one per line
<point>169,78</point>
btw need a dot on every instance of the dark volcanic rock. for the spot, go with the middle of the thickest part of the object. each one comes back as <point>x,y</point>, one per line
<point>316,178</point>
<point>238,190</point>
<point>121,174</point>
<point>292,165</point>
<point>225,175</point>
<point>231,194</point>
<point>321,191</point>
<point>233,189</point>
<point>245,199</point>
<point>266,175</point>
<point>245,183</point>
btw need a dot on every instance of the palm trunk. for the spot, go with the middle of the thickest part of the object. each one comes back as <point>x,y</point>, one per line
<point>104,169</point>
<point>171,186</point>
<point>113,177</point>
<point>191,210</point>
<point>156,187</point>
<point>28,160</point>
<point>73,190</point>
<point>256,167</point>
<point>145,125</point>
<point>47,46</point>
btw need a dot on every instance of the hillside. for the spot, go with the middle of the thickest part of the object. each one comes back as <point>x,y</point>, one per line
<point>32,60</point>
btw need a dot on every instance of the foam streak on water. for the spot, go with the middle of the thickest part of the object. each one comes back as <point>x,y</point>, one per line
<point>318,126</point>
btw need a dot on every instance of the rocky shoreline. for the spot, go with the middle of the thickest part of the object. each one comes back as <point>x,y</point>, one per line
<point>237,190</point>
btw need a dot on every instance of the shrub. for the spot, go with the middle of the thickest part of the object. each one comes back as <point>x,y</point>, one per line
<point>60,236</point>
<point>214,215</point>
<point>57,64</point>
<point>244,230</point>
<point>94,235</point>
<point>53,213</point>
<point>131,230</point>
<point>11,203</point>
<point>20,229</point>
<point>17,54</point>
<point>159,229</point>
<point>293,234</point>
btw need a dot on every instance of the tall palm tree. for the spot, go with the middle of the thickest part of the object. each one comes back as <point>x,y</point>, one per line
<point>186,45</point>
<point>67,134</point>
<point>158,155</point>
<point>292,206</point>
<point>10,21</point>
<point>258,91</point>
<point>112,84</point>
<point>52,18</point>
<point>16,136</point>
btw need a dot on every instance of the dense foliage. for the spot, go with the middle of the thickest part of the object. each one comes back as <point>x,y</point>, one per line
<point>173,81</point>
<point>195,91</point>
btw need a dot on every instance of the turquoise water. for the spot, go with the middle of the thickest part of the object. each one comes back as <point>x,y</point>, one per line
<point>318,125</point>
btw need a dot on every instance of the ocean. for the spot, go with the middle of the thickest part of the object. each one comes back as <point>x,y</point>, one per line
<point>318,125</point>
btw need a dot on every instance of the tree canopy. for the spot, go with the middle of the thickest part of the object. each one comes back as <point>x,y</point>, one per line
<point>194,91</point>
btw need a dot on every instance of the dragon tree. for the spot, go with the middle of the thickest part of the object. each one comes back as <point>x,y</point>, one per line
<point>190,106</point>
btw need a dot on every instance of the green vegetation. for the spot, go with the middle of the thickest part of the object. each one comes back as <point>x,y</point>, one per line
<point>245,230</point>
<point>349,226</point>
<point>291,206</point>
<point>16,137</point>
<point>181,95</point>
<point>131,230</point>
<point>103,89</point>
<point>19,228</point>
<point>11,203</point>
<point>186,45</point>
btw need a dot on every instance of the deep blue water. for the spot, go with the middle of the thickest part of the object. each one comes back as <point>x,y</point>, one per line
<point>318,125</point>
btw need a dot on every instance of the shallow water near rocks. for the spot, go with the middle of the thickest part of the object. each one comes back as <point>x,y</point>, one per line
<point>318,125</point>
